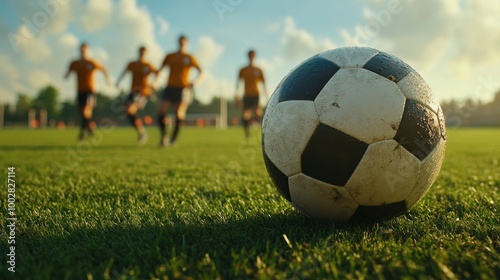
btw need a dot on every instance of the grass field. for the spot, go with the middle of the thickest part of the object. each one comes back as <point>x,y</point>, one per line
<point>206,209</point>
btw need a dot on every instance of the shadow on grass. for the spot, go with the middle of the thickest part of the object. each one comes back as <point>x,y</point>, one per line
<point>117,249</point>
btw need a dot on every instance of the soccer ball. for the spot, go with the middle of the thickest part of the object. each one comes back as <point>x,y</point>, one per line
<point>353,134</point>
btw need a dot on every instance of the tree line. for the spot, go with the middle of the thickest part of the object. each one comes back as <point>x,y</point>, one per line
<point>472,112</point>
<point>457,113</point>
<point>111,108</point>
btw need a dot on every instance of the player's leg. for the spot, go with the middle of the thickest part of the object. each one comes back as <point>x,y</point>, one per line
<point>134,103</point>
<point>141,132</point>
<point>246,118</point>
<point>86,103</point>
<point>162,121</point>
<point>131,108</point>
<point>131,114</point>
<point>258,114</point>
<point>180,116</point>
<point>81,99</point>
<point>83,123</point>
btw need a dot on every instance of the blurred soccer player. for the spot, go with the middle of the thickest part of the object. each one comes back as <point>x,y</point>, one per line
<point>251,76</point>
<point>178,92</point>
<point>140,90</point>
<point>84,69</point>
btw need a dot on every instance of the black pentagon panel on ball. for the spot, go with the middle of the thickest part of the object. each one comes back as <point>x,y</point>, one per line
<point>371,214</point>
<point>332,156</point>
<point>388,66</point>
<point>279,179</point>
<point>307,80</point>
<point>419,131</point>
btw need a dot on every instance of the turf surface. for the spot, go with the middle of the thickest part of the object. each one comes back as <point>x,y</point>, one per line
<point>206,209</point>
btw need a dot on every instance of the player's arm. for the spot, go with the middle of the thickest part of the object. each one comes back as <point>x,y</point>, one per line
<point>238,80</point>
<point>122,75</point>
<point>104,70</point>
<point>164,64</point>
<point>236,94</point>
<point>194,64</point>
<point>70,69</point>
<point>263,80</point>
<point>153,71</point>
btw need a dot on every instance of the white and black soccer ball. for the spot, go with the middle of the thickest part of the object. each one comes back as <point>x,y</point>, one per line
<point>353,134</point>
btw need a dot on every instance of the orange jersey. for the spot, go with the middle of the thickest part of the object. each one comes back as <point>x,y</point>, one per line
<point>251,75</point>
<point>84,69</point>
<point>140,72</point>
<point>180,64</point>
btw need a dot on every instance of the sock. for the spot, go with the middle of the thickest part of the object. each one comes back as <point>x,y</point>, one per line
<point>161,123</point>
<point>89,129</point>
<point>133,120</point>
<point>178,124</point>
<point>246,127</point>
<point>84,124</point>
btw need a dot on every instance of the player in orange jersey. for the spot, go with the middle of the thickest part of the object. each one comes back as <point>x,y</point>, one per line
<point>251,76</point>
<point>178,92</point>
<point>140,90</point>
<point>85,69</point>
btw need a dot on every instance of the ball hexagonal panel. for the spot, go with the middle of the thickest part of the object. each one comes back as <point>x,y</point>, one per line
<point>306,80</point>
<point>415,88</point>
<point>386,174</point>
<point>279,179</point>
<point>332,156</point>
<point>287,132</point>
<point>388,66</point>
<point>321,200</point>
<point>362,104</point>
<point>429,170</point>
<point>377,213</point>
<point>349,57</point>
<point>419,131</point>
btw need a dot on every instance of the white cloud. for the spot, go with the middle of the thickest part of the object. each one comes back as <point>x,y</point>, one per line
<point>132,26</point>
<point>269,65</point>
<point>97,15</point>
<point>100,54</point>
<point>208,51</point>
<point>38,78</point>
<point>163,25</point>
<point>58,14</point>
<point>68,40</point>
<point>35,48</point>
<point>299,44</point>
<point>44,57</point>
<point>431,33</point>
<point>212,86</point>
<point>9,79</point>
<point>477,39</point>
<point>273,27</point>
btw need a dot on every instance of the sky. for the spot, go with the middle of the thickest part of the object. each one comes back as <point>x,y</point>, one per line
<point>453,44</point>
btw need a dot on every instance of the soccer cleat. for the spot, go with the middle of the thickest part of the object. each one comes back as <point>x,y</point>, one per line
<point>164,141</point>
<point>143,138</point>
<point>81,136</point>
<point>247,135</point>
<point>172,142</point>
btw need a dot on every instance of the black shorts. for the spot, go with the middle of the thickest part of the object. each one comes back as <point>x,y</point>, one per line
<point>250,102</point>
<point>173,94</point>
<point>85,98</point>
<point>136,98</point>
